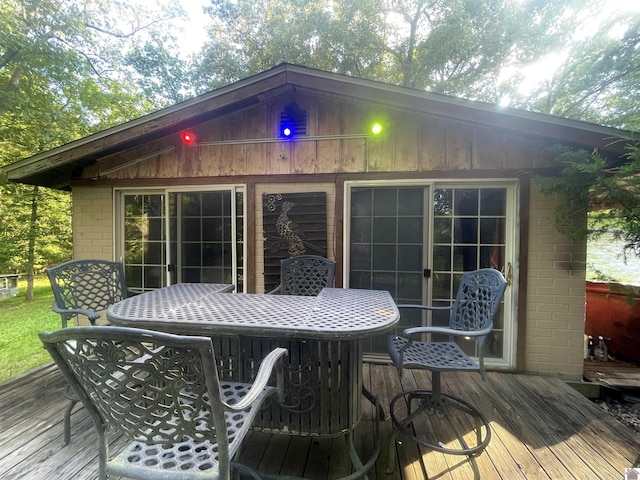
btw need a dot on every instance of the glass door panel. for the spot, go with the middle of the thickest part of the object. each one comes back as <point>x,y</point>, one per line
<point>469,233</point>
<point>205,238</point>
<point>387,245</point>
<point>144,241</point>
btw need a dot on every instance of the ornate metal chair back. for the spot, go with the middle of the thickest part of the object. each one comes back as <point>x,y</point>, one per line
<point>86,285</point>
<point>306,275</point>
<point>477,300</point>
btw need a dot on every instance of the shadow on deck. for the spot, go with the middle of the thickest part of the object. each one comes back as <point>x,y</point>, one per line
<point>542,428</point>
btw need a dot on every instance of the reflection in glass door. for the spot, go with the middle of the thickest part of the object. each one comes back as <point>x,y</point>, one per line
<point>171,237</point>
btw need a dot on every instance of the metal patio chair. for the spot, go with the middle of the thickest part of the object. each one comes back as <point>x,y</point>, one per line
<point>85,288</point>
<point>435,349</point>
<point>305,275</point>
<point>162,393</point>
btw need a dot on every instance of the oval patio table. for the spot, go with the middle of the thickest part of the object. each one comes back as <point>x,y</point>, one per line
<point>322,334</point>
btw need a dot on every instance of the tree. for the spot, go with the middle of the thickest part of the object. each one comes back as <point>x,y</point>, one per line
<point>63,75</point>
<point>455,47</point>
<point>598,79</point>
<point>610,192</point>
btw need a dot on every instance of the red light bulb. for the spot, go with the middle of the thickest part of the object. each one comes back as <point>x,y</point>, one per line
<point>188,138</point>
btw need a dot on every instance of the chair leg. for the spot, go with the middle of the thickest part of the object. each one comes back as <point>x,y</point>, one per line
<point>67,421</point>
<point>391,460</point>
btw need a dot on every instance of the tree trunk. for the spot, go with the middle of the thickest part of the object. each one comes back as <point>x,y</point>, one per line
<point>33,233</point>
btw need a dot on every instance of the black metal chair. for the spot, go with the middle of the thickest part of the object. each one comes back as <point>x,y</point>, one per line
<point>305,275</point>
<point>470,317</point>
<point>162,393</point>
<point>85,288</point>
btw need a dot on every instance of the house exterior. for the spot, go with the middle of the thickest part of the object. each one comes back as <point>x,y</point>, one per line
<point>210,190</point>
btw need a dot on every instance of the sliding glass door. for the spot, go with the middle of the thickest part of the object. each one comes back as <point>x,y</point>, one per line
<point>416,240</point>
<point>171,237</point>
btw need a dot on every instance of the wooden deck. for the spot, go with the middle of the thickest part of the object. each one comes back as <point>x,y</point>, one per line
<point>542,428</point>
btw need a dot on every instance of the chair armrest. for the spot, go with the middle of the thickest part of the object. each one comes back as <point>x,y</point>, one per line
<point>274,359</point>
<point>92,315</point>
<point>275,290</point>
<point>133,293</point>
<point>410,332</point>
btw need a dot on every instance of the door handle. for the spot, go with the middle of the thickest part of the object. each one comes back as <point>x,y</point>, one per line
<point>508,274</point>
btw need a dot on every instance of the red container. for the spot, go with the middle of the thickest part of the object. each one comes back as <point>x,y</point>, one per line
<point>613,310</point>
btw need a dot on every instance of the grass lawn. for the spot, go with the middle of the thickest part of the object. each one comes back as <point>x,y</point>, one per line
<point>20,322</point>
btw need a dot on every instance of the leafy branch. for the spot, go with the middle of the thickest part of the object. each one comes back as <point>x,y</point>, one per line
<point>610,191</point>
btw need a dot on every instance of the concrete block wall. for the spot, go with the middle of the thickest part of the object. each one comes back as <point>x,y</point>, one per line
<point>556,294</point>
<point>92,222</point>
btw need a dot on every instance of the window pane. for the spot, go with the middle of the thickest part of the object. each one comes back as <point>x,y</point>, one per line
<point>385,202</point>
<point>410,230</point>
<point>384,257</point>
<point>361,257</point>
<point>410,201</point>
<point>191,230</point>
<point>361,202</point>
<point>384,230</point>
<point>360,280</point>
<point>191,254</point>
<point>212,229</point>
<point>384,281</point>
<point>410,284</point>
<point>361,230</point>
<point>443,203</point>
<point>442,231</point>
<point>466,201</point>
<point>493,201</point>
<point>465,259</point>
<point>212,254</point>
<point>466,230</point>
<point>153,277</point>
<point>212,204</point>
<point>410,257</point>
<point>153,253</point>
<point>442,258</point>
<point>190,204</point>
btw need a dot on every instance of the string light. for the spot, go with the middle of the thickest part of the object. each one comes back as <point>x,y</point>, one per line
<point>188,138</point>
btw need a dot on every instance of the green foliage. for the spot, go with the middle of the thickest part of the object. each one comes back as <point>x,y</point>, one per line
<point>68,68</point>
<point>20,322</point>
<point>455,47</point>
<point>53,226</point>
<point>611,193</point>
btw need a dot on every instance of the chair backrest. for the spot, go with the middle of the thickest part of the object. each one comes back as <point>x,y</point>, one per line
<point>87,284</point>
<point>155,388</point>
<point>306,275</point>
<point>477,300</point>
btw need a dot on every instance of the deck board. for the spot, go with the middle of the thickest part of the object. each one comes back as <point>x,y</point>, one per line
<point>541,429</point>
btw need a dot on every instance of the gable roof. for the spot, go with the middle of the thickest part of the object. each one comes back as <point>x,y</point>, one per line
<point>55,168</point>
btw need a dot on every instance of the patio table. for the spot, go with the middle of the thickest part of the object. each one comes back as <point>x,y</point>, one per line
<point>324,382</point>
